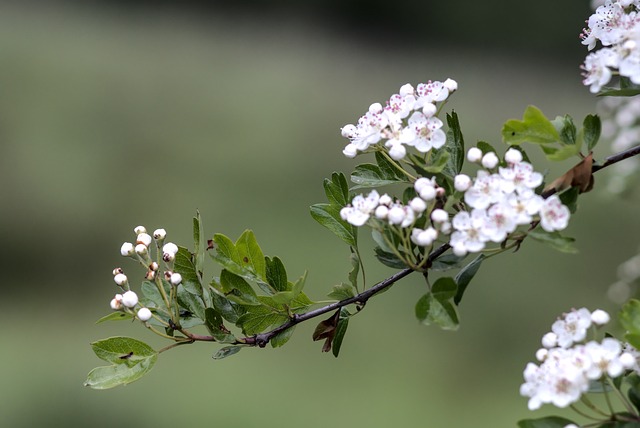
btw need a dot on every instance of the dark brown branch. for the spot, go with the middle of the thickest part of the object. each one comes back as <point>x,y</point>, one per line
<point>634,151</point>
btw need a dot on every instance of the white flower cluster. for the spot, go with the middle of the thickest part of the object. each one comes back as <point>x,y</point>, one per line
<point>499,202</point>
<point>421,130</point>
<point>568,364</point>
<point>141,250</point>
<point>616,24</point>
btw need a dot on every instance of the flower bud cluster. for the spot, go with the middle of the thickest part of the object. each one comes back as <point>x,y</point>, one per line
<point>616,25</point>
<point>128,300</point>
<point>568,364</point>
<point>407,120</point>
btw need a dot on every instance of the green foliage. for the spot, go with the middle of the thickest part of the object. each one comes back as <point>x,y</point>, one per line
<point>630,320</point>
<point>464,277</point>
<point>533,128</point>
<point>436,307</point>
<point>546,422</point>
<point>130,360</point>
<point>554,239</point>
<point>328,215</point>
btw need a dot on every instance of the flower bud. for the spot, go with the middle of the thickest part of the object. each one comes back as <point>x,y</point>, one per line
<point>348,131</point>
<point>170,248</point>
<point>144,314</point>
<point>176,278</point>
<point>385,200</point>
<point>120,279</point>
<point>159,234</point>
<point>127,249</point>
<point>513,156</point>
<point>381,212</point>
<point>439,215</point>
<point>490,160</point>
<point>116,302</point>
<point>462,182</point>
<point>153,266</point>
<point>474,154</point>
<point>117,271</point>
<point>418,205</point>
<point>139,229</point>
<point>429,109</point>
<point>129,299</point>
<point>350,151</point>
<point>451,85</point>
<point>375,108</point>
<point>150,275</point>
<point>428,193</point>
<point>144,238</point>
<point>600,317</point>
<point>396,214</point>
<point>406,89</point>
<point>550,340</point>
<point>141,250</point>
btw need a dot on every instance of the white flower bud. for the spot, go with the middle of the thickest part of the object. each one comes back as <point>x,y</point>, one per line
<point>396,215</point>
<point>153,266</point>
<point>381,212</point>
<point>144,239</point>
<point>459,250</point>
<point>176,278</point>
<point>144,314</point>
<point>170,248</point>
<point>117,271</point>
<point>159,234</point>
<point>513,156</point>
<point>541,354</point>
<point>127,249</point>
<point>169,257</point>
<point>549,340</point>
<point>490,160</point>
<point>422,182</point>
<point>627,360</point>
<point>451,85</point>
<point>350,151</point>
<point>424,237</point>
<point>462,182</point>
<point>474,154</point>
<point>120,279</point>
<point>445,228</point>
<point>129,299</point>
<point>385,200</point>
<point>406,89</point>
<point>375,108</point>
<point>139,229</point>
<point>348,131</point>
<point>116,302</point>
<point>418,205</point>
<point>439,215</point>
<point>428,193</point>
<point>429,109</point>
<point>151,275</point>
<point>600,317</point>
<point>141,250</point>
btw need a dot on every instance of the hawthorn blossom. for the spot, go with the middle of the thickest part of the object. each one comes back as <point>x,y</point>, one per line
<point>360,209</point>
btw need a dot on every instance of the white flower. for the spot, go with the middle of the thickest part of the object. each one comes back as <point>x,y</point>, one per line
<point>572,328</point>
<point>427,134</point>
<point>127,249</point>
<point>474,154</point>
<point>360,209</point>
<point>144,314</point>
<point>381,212</point>
<point>597,68</point>
<point>553,214</point>
<point>469,232</point>
<point>120,279</point>
<point>486,189</point>
<point>129,299</point>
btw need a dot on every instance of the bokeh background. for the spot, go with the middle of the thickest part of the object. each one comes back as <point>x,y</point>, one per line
<point>115,114</point>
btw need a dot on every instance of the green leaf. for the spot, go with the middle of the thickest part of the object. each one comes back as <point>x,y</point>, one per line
<point>369,175</point>
<point>389,259</point>
<point>566,129</point>
<point>631,92</point>
<point>131,360</point>
<point>198,243</point>
<point>634,390</point>
<point>464,277</point>
<point>444,288</point>
<point>630,317</point>
<point>282,337</point>
<point>533,128</point>
<point>559,154</point>
<point>152,297</point>
<point>447,262</point>
<point>191,302</point>
<point>329,216</point>
<point>342,292</point>
<point>276,274</point>
<point>554,239</point>
<point>215,325</point>
<point>258,318</point>
<point>430,310</point>
<point>454,146</point>
<point>337,189</point>
<point>236,289</point>
<point>229,310</point>
<point>570,198</point>
<point>251,256</point>
<point>591,130</point>
<point>438,162</point>
<point>185,266</point>
<point>546,422</point>
<point>486,147</point>
<point>115,316</point>
<point>227,351</point>
<point>341,330</point>
<point>355,269</point>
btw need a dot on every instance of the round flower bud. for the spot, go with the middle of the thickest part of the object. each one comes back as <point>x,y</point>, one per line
<point>117,271</point>
<point>120,279</point>
<point>445,228</point>
<point>490,160</point>
<point>127,249</point>
<point>144,314</point>
<point>385,200</point>
<point>451,85</point>
<point>474,154</point>
<point>513,156</point>
<point>170,248</point>
<point>153,266</point>
<point>116,302</point>
<point>141,249</point>
<point>459,250</point>
<point>439,215</point>
<point>168,257</point>
<point>421,183</point>
<point>176,278</point>
<point>600,317</point>
<point>144,238</point>
<point>348,131</point>
<point>397,151</point>
<point>396,214</point>
<point>541,354</point>
<point>406,89</point>
<point>151,275</point>
<point>129,299</point>
<point>429,109</point>
<point>424,237</point>
<point>350,151</point>
<point>159,234</point>
<point>375,108</point>
<point>381,212</point>
<point>627,360</point>
<point>418,205</point>
<point>462,182</point>
<point>550,340</point>
<point>428,193</point>
<point>139,229</point>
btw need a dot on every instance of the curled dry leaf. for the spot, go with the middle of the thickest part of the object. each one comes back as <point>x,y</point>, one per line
<point>580,176</point>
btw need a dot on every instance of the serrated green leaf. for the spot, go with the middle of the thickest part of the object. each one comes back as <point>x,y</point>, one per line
<point>259,318</point>
<point>282,337</point>
<point>592,127</point>
<point>236,289</point>
<point>341,330</point>
<point>229,310</point>
<point>389,259</point>
<point>185,266</point>
<point>355,269</point>
<point>554,239</point>
<point>464,277</point>
<point>151,296</point>
<point>337,189</point>
<point>131,360</point>
<point>533,128</point>
<point>630,316</point>
<point>546,422</point>
<point>569,198</point>
<point>115,316</point>
<point>439,161</point>
<point>388,168</point>
<point>215,325</point>
<point>227,351</point>
<point>444,288</point>
<point>454,146</point>
<point>432,311</point>
<point>191,302</point>
<point>251,256</point>
<point>559,154</point>
<point>276,274</point>
<point>369,175</point>
<point>342,292</point>
<point>566,129</point>
<point>486,147</point>
<point>329,216</point>
<point>447,262</point>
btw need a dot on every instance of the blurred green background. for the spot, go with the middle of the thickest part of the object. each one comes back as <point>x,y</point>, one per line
<point>112,117</point>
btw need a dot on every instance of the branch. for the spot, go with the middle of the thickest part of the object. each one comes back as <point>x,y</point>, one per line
<point>263,339</point>
<point>626,154</point>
